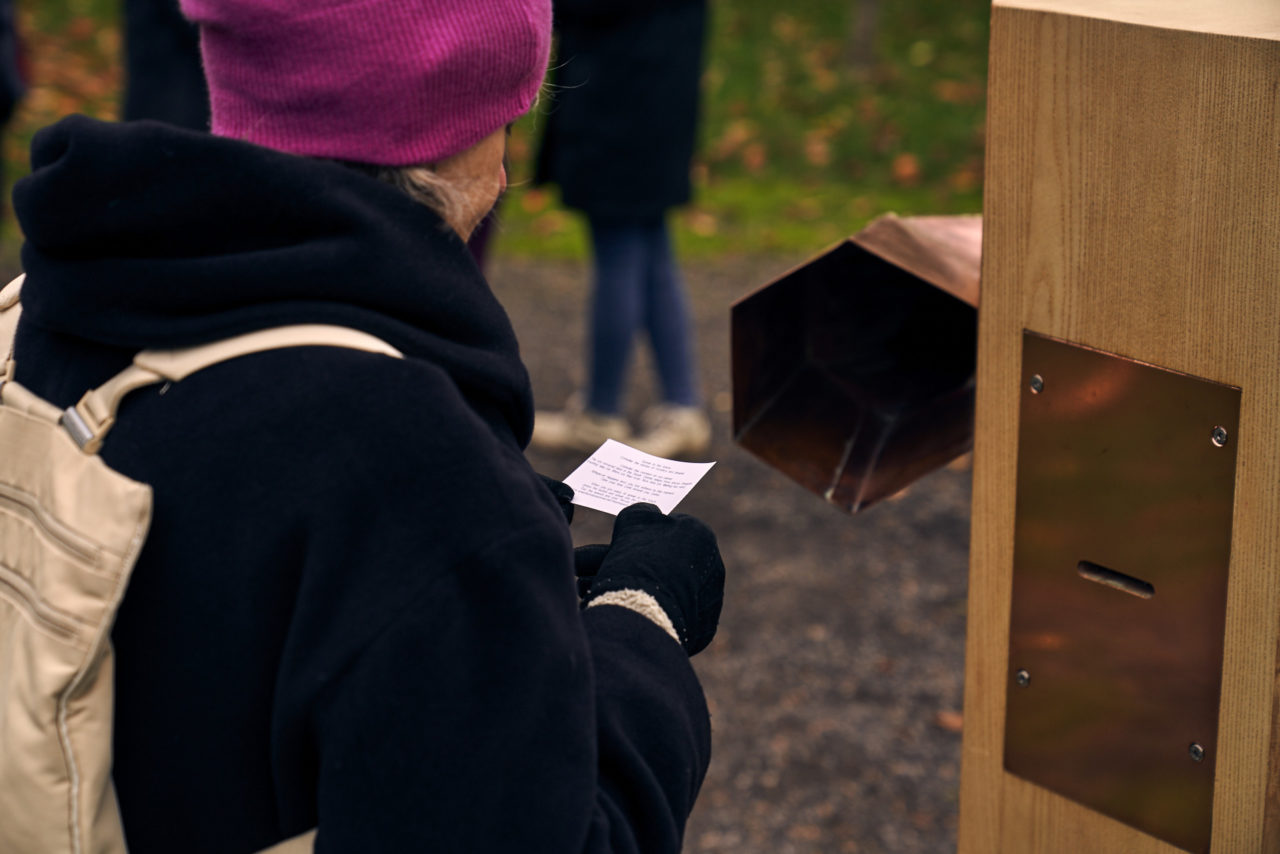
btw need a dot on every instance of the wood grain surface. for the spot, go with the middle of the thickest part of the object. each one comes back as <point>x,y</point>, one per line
<point>1248,18</point>
<point>1132,204</point>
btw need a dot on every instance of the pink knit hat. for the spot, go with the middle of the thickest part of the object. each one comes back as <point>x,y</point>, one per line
<point>390,82</point>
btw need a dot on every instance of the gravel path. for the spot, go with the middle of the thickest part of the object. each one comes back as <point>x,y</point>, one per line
<point>836,679</point>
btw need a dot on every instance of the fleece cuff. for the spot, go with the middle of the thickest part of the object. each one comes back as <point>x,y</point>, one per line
<point>640,602</point>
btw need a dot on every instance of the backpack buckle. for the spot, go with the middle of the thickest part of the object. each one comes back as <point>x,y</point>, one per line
<point>83,427</point>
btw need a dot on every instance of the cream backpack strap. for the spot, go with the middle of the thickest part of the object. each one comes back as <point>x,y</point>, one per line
<point>303,844</point>
<point>10,311</point>
<point>90,419</point>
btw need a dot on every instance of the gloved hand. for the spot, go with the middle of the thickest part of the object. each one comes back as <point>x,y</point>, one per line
<point>672,558</point>
<point>563,493</point>
<point>586,563</point>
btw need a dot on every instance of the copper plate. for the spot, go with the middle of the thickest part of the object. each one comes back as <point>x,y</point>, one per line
<point>1126,473</point>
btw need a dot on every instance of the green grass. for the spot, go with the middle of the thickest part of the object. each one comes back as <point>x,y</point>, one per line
<point>734,215</point>
<point>797,148</point>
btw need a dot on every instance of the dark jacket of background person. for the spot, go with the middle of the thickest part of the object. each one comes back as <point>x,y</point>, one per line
<point>163,76</point>
<point>11,87</point>
<point>621,117</point>
<point>359,596</point>
<point>11,84</point>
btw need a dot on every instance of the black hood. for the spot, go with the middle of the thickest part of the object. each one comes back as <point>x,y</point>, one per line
<point>143,235</point>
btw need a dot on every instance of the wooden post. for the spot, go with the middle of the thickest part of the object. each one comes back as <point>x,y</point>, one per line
<point>1132,205</point>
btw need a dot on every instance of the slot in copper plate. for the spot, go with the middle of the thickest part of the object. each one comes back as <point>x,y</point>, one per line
<point>1122,540</point>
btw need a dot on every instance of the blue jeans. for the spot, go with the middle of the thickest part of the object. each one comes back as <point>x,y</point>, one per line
<point>637,285</point>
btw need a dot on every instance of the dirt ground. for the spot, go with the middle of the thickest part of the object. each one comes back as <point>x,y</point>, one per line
<point>836,679</point>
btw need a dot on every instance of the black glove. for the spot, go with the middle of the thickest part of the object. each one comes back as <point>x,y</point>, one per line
<point>672,558</point>
<point>586,563</point>
<point>563,493</point>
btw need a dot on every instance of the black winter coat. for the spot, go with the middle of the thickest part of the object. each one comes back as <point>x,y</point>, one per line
<point>356,605</point>
<point>622,115</point>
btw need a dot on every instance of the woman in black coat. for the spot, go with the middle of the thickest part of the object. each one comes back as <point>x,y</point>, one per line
<point>619,140</point>
<point>356,607</point>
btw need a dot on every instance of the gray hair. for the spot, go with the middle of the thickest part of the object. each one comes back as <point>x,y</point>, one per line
<point>425,186</point>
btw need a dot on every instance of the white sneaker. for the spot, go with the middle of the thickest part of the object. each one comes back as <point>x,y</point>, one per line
<point>674,431</point>
<point>576,429</point>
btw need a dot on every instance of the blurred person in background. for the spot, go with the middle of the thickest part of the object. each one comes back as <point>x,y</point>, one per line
<point>11,86</point>
<point>620,128</point>
<point>163,78</point>
<point>356,609</point>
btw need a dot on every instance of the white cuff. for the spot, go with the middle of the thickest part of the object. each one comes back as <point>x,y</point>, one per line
<point>640,602</point>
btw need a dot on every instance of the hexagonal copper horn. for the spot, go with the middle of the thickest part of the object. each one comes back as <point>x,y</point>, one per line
<point>853,374</point>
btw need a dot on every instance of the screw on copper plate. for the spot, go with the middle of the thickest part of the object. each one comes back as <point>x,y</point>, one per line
<point>1196,752</point>
<point>1219,436</point>
<point>1037,384</point>
<point>1023,678</point>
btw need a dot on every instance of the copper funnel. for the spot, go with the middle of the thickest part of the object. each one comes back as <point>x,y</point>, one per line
<point>853,374</point>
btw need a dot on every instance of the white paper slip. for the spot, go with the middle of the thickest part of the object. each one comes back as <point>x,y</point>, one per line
<point>617,476</point>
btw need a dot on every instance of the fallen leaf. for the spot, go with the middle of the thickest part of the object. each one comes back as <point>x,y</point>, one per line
<point>736,134</point>
<point>702,223</point>
<point>534,201</point>
<point>785,27</point>
<point>81,28</point>
<point>552,222</point>
<point>754,157</point>
<point>963,180</point>
<point>817,632</point>
<point>950,720</point>
<point>905,169</point>
<point>958,91</point>
<point>805,833</point>
<point>817,150</point>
